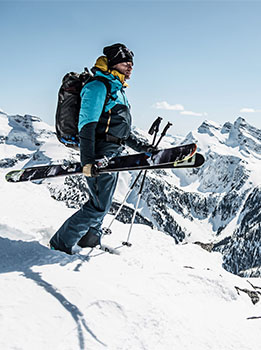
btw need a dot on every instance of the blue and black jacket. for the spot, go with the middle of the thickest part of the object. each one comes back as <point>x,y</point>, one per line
<point>103,125</point>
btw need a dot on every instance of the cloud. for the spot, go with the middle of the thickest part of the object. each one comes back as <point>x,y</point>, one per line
<point>193,113</point>
<point>177,107</point>
<point>165,105</point>
<point>249,110</point>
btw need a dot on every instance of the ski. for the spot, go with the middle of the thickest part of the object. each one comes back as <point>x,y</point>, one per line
<point>157,159</point>
<point>143,161</point>
<point>102,248</point>
<point>108,249</point>
<point>194,162</point>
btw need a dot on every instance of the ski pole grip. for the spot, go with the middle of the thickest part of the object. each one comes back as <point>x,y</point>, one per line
<point>163,133</point>
<point>155,126</point>
<point>166,128</point>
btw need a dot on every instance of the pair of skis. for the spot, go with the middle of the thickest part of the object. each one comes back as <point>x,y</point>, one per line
<point>179,157</point>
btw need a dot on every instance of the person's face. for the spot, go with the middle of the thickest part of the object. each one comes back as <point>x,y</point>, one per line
<point>124,68</point>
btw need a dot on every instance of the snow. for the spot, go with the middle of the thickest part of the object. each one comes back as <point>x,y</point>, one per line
<point>4,127</point>
<point>154,295</point>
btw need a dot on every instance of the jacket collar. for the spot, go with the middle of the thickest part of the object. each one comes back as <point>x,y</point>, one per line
<point>101,69</point>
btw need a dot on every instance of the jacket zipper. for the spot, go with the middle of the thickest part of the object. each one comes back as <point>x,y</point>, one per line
<point>108,122</point>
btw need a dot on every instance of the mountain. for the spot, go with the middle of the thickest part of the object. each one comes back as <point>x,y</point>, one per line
<point>219,202</point>
<point>232,175</point>
<point>155,295</point>
<point>216,204</point>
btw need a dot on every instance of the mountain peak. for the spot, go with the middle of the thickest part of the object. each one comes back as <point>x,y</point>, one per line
<point>244,135</point>
<point>240,122</point>
<point>208,126</point>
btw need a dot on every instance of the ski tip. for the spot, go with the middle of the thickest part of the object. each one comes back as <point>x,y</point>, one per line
<point>14,176</point>
<point>200,159</point>
<point>193,162</point>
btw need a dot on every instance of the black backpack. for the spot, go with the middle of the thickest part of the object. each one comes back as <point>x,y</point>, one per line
<point>69,103</point>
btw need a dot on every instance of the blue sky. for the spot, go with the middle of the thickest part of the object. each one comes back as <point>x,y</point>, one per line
<point>194,60</point>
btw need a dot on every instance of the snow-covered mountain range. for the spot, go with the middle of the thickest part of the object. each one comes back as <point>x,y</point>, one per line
<point>218,203</point>
<point>158,294</point>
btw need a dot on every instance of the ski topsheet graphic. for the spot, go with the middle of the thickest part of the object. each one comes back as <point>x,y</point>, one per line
<point>166,158</point>
<point>193,162</point>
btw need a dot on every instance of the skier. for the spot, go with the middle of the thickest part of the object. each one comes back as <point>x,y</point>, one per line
<point>104,126</point>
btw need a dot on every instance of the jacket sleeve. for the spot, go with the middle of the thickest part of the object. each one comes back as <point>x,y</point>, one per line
<point>93,97</point>
<point>136,144</point>
<point>87,143</point>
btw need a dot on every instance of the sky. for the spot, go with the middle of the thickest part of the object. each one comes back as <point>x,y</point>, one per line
<point>194,60</point>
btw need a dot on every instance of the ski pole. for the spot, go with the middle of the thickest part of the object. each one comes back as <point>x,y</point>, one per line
<point>153,129</point>
<point>163,133</point>
<point>127,243</point>
<point>125,198</point>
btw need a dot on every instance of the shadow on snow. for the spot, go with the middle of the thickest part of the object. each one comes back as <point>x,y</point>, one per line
<point>21,256</point>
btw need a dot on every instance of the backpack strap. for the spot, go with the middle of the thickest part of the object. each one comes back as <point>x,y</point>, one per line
<point>107,98</point>
<point>108,89</point>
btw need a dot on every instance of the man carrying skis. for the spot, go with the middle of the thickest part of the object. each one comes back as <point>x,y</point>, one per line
<point>104,125</point>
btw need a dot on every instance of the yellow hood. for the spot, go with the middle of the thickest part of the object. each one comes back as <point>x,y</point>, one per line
<point>102,64</point>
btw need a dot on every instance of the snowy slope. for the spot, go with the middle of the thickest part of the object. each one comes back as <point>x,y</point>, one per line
<point>155,295</point>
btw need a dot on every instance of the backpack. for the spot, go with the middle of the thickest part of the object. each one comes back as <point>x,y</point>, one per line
<point>69,103</point>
